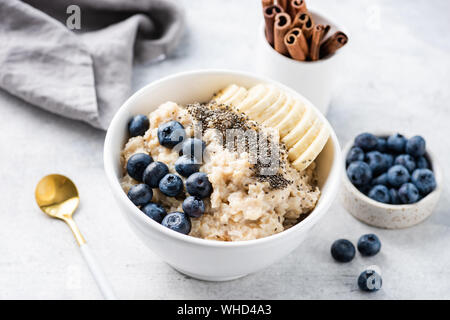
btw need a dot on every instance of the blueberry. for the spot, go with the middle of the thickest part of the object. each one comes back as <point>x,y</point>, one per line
<point>377,162</point>
<point>415,146</point>
<point>355,154</point>
<point>394,196</point>
<point>424,180</point>
<point>408,193</point>
<point>343,250</point>
<point>382,145</point>
<point>359,173</point>
<point>138,125</point>
<point>194,148</point>
<point>381,179</point>
<point>396,143</point>
<point>136,165</point>
<point>140,194</point>
<point>407,161</point>
<point>154,172</point>
<point>364,188</point>
<point>389,159</point>
<point>398,175</point>
<point>198,185</point>
<point>177,221</point>
<point>154,211</point>
<point>186,166</point>
<point>366,141</point>
<point>171,185</point>
<point>422,163</point>
<point>369,281</point>
<point>170,134</point>
<point>369,245</point>
<point>380,193</point>
<point>193,207</point>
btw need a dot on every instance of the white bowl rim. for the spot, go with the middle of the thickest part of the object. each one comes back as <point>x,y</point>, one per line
<point>397,207</point>
<point>326,59</point>
<point>333,176</point>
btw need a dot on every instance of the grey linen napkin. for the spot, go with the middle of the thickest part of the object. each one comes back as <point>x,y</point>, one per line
<point>81,74</point>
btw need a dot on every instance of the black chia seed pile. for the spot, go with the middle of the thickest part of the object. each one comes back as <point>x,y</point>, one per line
<point>222,118</point>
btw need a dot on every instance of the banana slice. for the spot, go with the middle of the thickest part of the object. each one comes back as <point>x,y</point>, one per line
<point>296,151</point>
<point>237,98</point>
<point>263,115</point>
<point>307,120</point>
<point>258,94</point>
<point>270,99</point>
<point>226,93</point>
<point>314,149</point>
<point>280,114</point>
<point>232,95</point>
<point>271,96</point>
<point>291,119</point>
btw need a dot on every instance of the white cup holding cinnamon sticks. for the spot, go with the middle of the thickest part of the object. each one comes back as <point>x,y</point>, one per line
<point>313,79</point>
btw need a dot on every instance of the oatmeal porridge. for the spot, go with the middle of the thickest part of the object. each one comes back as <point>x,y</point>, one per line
<point>241,203</point>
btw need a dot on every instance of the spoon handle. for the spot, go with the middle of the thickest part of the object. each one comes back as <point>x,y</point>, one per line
<point>97,272</point>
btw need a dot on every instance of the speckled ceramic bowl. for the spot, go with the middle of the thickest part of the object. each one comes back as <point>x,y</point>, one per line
<point>389,216</point>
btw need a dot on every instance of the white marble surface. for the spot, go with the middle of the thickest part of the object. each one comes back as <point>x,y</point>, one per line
<point>395,76</point>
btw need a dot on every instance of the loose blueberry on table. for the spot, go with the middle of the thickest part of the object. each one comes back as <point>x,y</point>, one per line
<point>369,244</point>
<point>392,170</point>
<point>369,281</point>
<point>343,250</point>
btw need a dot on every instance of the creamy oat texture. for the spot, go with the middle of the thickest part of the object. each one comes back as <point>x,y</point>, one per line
<point>241,207</point>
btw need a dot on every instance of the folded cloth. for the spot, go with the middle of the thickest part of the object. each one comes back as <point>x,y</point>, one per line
<point>84,73</point>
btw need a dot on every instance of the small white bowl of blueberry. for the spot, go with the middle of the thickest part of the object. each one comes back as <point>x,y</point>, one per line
<point>391,181</point>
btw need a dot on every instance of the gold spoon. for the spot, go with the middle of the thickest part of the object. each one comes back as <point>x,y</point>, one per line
<point>58,197</point>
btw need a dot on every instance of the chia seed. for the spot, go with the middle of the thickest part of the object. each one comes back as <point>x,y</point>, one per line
<point>222,118</point>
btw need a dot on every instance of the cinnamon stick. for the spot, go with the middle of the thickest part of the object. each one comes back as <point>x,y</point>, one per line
<point>296,6</point>
<point>304,21</point>
<point>266,3</point>
<point>281,27</point>
<point>269,16</point>
<point>325,31</point>
<point>296,44</point>
<point>333,43</point>
<point>284,4</point>
<point>316,40</point>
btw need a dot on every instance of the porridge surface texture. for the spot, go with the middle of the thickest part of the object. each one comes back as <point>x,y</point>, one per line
<point>242,206</point>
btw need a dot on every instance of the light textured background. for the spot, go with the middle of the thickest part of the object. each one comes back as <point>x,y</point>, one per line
<point>395,76</point>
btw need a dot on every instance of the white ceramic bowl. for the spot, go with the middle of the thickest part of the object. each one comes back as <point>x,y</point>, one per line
<point>313,79</point>
<point>389,216</point>
<point>199,258</point>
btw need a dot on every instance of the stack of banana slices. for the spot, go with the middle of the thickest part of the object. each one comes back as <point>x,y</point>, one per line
<point>301,129</point>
